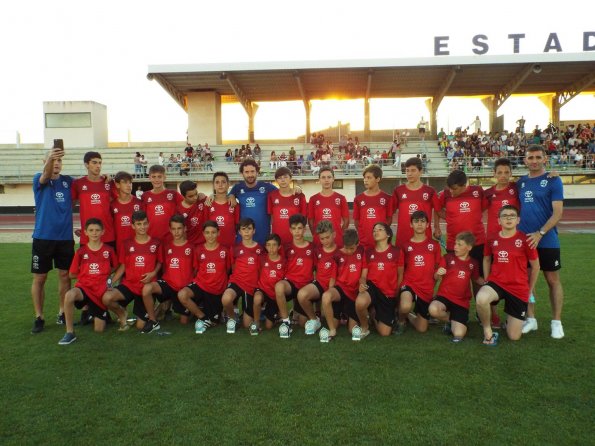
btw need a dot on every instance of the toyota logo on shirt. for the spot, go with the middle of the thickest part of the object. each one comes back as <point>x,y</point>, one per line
<point>419,260</point>
<point>284,213</point>
<point>503,256</point>
<point>159,210</point>
<point>174,262</point>
<point>220,220</point>
<point>371,212</point>
<point>125,220</point>
<point>412,208</point>
<point>211,268</point>
<point>250,202</point>
<point>93,268</point>
<point>528,196</point>
<point>326,213</point>
<point>95,199</point>
<point>505,203</point>
<point>59,195</point>
<point>194,221</point>
<point>464,207</point>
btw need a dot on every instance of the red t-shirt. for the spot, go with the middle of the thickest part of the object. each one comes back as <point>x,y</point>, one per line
<point>280,208</point>
<point>456,283</point>
<point>333,208</point>
<point>178,264</point>
<point>300,264</point>
<point>496,199</point>
<point>93,268</point>
<point>94,202</point>
<point>421,260</point>
<point>212,268</point>
<point>160,208</point>
<point>194,219</point>
<point>382,269</point>
<point>509,263</point>
<point>349,271</point>
<point>227,217</point>
<point>271,272</point>
<point>122,217</point>
<point>406,202</point>
<point>464,213</point>
<point>139,259</point>
<point>369,210</point>
<point>326,267</point>
<point>246,264</point>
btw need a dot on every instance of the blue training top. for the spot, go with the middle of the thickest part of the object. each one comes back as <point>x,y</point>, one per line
<point>53,208</point>
<point>536,196</point>
<point>253,204</point>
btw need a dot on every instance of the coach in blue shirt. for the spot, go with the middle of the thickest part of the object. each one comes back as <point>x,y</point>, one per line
<point>53,243</point>
<point>542,204</point>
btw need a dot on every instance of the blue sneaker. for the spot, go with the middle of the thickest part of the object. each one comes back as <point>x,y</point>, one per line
<point>68,338</point>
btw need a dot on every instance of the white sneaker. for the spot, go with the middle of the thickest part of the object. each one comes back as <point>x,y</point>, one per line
<point>529,325</point>
<point>557,330</point>
<point>200,327</point>
<point>312,326</point>
<point>231,326</point>
<point>356,333</point>
<point>285,330</point>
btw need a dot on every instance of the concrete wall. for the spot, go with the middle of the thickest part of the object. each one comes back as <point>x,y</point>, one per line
<point>95,136</point>
<point>204,118</point>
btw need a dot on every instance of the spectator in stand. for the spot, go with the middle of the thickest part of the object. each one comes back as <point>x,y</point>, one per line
<point>160,159</point>
<point>274,161</point>
<point>189,151</point>
<point>184,167</point>
<point>229,156</point>
<point>282,160</point>
<point>300,164</point>
<point>257,152</point>
<point>206,149</point>
<point>143,164</point>
<point>138,167</point>
<point>421,128</point>
<point>139,192</point>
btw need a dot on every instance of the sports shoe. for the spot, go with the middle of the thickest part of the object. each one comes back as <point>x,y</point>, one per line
<point>231,326</point>
<point>557,330</point>
<point>529,325</point>
<point>68,338</point>
<point>150,326</point>
<point>447,329</point>
<point>254,330</point>
<point>325,335</point>
<point>399,328</point>
<point>285,330</point>
<point>312,326</point>
<point>356,333</point>
<point>38,325</point>
<point>60,319</point>
<point>493,341</point>
<point>456,340</point>
<point>86,318</point>
<point>201,326</point>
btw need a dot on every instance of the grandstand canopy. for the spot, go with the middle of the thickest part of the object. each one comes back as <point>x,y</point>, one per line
<point>381,78</point>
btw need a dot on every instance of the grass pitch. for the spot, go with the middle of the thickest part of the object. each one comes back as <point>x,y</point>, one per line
<point>128,388</point>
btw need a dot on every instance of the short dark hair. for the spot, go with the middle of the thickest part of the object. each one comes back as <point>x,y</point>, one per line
<point>90,155</point>
<point>177,218</point>
<point>249,162</point>
<point>374,170</point>
<point>138,216</point>
<point>93,221</point>
<point>297,218</point>
<point>508,207</point>
<point>122,176</point>
<point>283,171</point>
<point>386,227</point>
<point>502,162</point>
<point>220,174</point>
<point>350,237</point>
<point>326,169</point>
<point>414,161</point>
<point>210,224</point>
<point>156,168</point>
<point>186,186</point>
<point>467,237</point>
<point>536,148</point>
<point>418,215</point>
<point>456,178</point>
<point>324,226</point>
<point>245,222</point>
<point>274,237</point>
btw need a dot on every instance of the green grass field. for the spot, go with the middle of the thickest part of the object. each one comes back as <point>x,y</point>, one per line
<point>128,388</point>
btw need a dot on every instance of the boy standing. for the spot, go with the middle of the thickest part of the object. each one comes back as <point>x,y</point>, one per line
<point>92,265</point>
<point>220,211</point>
<point>457,270</point>
<point>282,203</point>
<point>178,270</point>
<point>328,205</point>
<point>192,208</point>
<point>420,258</point>
<point>123,207</point>
<point>140,261</point>
<point>507,276</point>
<point>371,206</point>
<point>212,267</point>
<point>245,261</point>
<point>301,261</point>
<point>160,203</point>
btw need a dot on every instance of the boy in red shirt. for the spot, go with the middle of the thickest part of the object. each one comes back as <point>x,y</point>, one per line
<point>371,206</point>
<point>283,203</point>
<point>378,285</point>
<point>457,270</point>
<point>160,203</point>
<point>507,276</point>
<point>92,265</point>
<point>350,261</point>
<point>328,205</point>
<point>123,207</point>
<point>212,268</point>
<point>301,260</point>
<point>245,261</point>
<point>178,271</point>
<point>140,261</point>
<point>326,270</point>
<point>192,209</point>
<point>272,270</point>
<point>221,212</point>
<point>420,258</point>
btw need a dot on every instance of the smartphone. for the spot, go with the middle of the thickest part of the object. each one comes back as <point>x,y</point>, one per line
<point>59,144</point>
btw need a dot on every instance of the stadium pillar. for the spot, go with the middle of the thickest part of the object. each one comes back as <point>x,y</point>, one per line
<point>433,122</point>
<point>366,119</point>
<point>251,112</point>
<point>490,104</point>
<point>204,117</point>
<point>551,101</point>
<point>308,108</point>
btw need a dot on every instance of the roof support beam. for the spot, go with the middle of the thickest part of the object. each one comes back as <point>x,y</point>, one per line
<point>576,88</point>
<point>513,84</point>
<point>306,101</point>
<point>436,100</point>
<point>173,91</point>
<point>239,92</point>
<point>367,106</point>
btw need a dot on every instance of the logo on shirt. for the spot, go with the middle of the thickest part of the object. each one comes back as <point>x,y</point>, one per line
<point>503,256</point>
<point>412,208</point>
<point>380,266</point>
<point>476,194</point>
<point>296,201</point>
<point>174,262</point>
<point>371,213</point>
<point>251,261</point>
<point>170,197</point>
<point>187,251</point>
<point>352,268</point>
<point>308,252</point>
<point>220,220</point>
<point>299,261</point>
<point>84,187</point>
<point>430,247</point>
<point>211,268</point>
<point>149,200</point>
<point>382,201</point>
<point>95,199</point>
<point>327,265</point>
<point>284,213</point>
<point>337,201</point>
<point>425,196</point>
<point>222,254</point>
<point>461,274</point>
<point>139,261</point>
<point>464,207</point>
<point>64,184</point>
<point>505,203</point>
<point>153,248</point>
<point>419,260</point>
<point>107,186</point>
<point>511,191</point>
<point>389,256</point>
<point>105,254</point>
<point>403,196</point>
<point>409,248</point>
<point>250,202</point>
<point>85,256</point>
<point>59,197</point>
<point>529,196</point>
<point>136,207</point>
<point>518,243</point>
<point>262,190</point>
<point>159,210</point>
<point>125,220</point>
<point>194,221</point>
<point>202,257</point>
<point>543,183</point>
<point>94,268</point>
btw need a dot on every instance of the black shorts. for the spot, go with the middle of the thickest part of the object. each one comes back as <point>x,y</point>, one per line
<point>210,303</point>
<point>345,306</point>
<point>385,307</point>
<point>167,292</point>
<point>138,308</point>
<point>422,308</point>
<point>456,312</point>
<point>93,309</point>
<point>318,287</point>
<point>271,310</point>
<point>293,296</point>
<point>47,254</point>
<point>549,259</point>
<point>246,299</point>
<point>422,130</point>
<point>513,306</point>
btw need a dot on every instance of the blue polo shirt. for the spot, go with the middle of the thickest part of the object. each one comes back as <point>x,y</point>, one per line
<point>253,204</point>
<point>53,208</point>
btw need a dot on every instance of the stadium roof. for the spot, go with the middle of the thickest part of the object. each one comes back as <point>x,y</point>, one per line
<point>382,78</point>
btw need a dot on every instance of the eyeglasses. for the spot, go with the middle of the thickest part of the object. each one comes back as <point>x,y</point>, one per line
<point>508,216</point>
